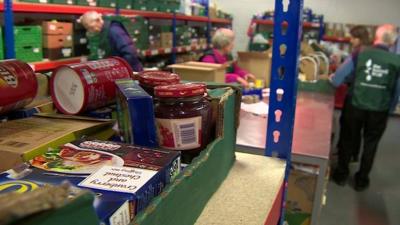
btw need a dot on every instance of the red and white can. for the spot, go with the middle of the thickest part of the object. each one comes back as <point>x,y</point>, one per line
<point>76,88</point>
<point>18,85</point>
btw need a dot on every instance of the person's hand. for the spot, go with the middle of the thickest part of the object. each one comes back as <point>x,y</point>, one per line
<point>243,82</point>
<point>250,77</point>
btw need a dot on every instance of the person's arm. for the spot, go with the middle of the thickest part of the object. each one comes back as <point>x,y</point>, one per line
<point>343,72</point>
<point>122,43</point>
<point>208,59</point>
<point>239,71</point>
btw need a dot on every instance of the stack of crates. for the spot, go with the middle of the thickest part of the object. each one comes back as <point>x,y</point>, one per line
<point>170,6</point>
<point>63,2</point>
<point>183,35</point>
<point>107,3</point>
<point>87,2</point>
<point>57,39</point>
<point>125,4</point>
<point>28,43</point>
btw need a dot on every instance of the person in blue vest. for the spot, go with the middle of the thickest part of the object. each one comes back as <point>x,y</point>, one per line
<point>114,39</point>
<point>374,73</point>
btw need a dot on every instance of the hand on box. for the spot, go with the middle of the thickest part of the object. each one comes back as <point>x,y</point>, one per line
<point>243,82</point>
<point>250,77</point>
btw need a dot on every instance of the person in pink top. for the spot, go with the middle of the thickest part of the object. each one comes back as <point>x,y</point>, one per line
<point>221,54</point>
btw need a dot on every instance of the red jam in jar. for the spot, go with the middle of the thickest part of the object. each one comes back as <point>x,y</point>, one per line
<point>150,79</point>
<point>183,118</point>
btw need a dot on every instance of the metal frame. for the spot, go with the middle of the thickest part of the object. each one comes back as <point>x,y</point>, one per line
<point>283,90</point>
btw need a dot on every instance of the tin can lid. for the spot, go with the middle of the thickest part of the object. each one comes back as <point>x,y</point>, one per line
<point>158,78</point>
<point>67,90</point>
<point>180,90</point>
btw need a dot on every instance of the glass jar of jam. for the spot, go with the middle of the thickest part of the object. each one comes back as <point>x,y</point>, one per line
<point>183,118</point>
<point>150,79</point>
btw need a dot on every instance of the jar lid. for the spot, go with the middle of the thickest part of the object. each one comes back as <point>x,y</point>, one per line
<point>180,90</point>
<point>158,78</point>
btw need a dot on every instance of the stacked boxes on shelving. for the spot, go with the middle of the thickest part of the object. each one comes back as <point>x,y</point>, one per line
<point>57,39</point>
<point>63,2</point>
<point>184,35</point>
<point>87,2</point>
<point>28,43</point>
<point>107,3</point>
<point>156,5</point>
<point>125,4</point>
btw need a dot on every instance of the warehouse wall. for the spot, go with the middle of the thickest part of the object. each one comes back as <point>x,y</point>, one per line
<point>342,11</point>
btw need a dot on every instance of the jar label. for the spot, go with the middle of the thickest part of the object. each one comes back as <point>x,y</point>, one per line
<point>179,134</point>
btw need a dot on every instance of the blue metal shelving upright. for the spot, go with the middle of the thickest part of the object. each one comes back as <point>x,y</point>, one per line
<point>9,29</point>
<point>283,89</point>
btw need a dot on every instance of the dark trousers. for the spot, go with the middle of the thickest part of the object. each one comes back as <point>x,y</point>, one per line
<point>369,125</point>
<point>343,128</point>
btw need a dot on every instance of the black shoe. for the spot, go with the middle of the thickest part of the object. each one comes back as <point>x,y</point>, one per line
<point>360,183</point>
<point>339,177</point>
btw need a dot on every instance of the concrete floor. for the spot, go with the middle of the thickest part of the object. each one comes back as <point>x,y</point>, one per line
<point>378,205</point>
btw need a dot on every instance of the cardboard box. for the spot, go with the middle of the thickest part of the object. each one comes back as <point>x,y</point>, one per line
<point>257,63</point>
<point>57,53</point>
<point>57,41</point>
<point>166,40</point>
<point>109,206</point>
<point>199,71</point>
<point>300,197</point>
<point>21,140</point>
<point>135,114</point>
<point>167,162</point>
<point>54,27</point>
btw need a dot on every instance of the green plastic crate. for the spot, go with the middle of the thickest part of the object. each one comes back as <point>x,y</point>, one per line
<point>29,53</point>
<point>36,1</point>
<point>63,2</point>
<point>28,35</point>
<point>86,3</point>
<point>107,3</point>
<point>125,4</point>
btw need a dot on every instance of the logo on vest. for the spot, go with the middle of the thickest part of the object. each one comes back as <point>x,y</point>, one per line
<point>374,70</point>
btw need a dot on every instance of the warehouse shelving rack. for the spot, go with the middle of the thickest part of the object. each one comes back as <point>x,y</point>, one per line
<point>283,88</point>
<point>9,8</point>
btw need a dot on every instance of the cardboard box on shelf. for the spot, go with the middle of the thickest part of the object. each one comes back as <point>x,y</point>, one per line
<point>166,40</point>
<point>300,197</point>
<point>57,41</point>
<point>257,63</point>
<point>54,27</point>
<point>199,71</point>
<point>21,140</point>
<point>57,53</point>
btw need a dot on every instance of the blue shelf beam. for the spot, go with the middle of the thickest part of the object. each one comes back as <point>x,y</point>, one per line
<point>9,29</point>
<point>283,90</point>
